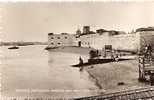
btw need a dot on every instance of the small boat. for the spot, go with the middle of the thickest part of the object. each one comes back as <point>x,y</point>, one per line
<point>48,48</point>
<point>14,47</point>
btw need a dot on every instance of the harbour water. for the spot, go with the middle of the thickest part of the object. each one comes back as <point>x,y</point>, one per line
<point>35,72</point>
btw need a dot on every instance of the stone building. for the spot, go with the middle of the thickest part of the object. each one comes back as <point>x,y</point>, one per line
<point>99,39</point>
<point>134,42</point>
<point>119,40</point>
<point>86,37</point>
<point>63,39</point>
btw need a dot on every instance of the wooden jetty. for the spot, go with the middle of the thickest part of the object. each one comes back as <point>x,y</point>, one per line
<point>93,61</point>
<point>48,48</point>
<point>146,68</point>
<point>146,93</point>
<point>98,61</point>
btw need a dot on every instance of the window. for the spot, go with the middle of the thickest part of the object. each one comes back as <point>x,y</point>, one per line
<point>58,37</point>
<point>108,47</point>
<point>65,37</point>
<point>52,37</point>
<point>59,43</point>
<point>52,43</point>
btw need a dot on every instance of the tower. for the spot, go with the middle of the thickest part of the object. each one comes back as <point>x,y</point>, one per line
<point>78,32</point>
<point>86,29</point>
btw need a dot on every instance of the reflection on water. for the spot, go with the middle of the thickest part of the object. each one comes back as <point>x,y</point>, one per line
<point>33,68</point>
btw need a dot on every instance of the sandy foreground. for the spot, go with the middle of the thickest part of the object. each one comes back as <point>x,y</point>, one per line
<point>107,76</point>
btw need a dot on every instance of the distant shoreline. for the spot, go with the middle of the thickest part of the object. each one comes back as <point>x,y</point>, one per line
<point>72,49</point>
<point>21,43</point>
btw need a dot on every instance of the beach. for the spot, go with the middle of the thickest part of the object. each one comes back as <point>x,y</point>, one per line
<point>107,76</point>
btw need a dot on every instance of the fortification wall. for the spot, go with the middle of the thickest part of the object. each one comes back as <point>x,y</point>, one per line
<point>128,42</point>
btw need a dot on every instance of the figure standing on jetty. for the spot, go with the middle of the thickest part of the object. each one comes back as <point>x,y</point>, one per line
<point>81,63</point>
<point>148,52</point>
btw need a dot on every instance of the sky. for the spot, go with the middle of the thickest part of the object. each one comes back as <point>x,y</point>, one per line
<point>32,21</point>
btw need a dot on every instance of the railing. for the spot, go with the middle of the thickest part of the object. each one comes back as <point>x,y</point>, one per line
<point>141,93</point>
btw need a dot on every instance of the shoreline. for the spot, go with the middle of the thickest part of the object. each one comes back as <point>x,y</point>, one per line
<point>95,80</point>
<point>72,49</point>
<point>107,76</point>
<point>82,51</point>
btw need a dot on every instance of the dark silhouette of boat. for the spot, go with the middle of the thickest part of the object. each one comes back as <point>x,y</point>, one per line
<point>48,48</point>
<point>98,61</point>
<point>14,47</point>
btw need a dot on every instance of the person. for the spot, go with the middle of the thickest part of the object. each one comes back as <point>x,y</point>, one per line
<point>148,52</point>
<point>149,49</point>
<point>152,79</point>
<point>92,54</point>
<point>81,63</point>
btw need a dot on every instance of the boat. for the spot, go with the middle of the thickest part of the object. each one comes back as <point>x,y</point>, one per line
<point>14,47</point>
<point>48,48</point>
<point>98,61</point>
<point>93,61</point>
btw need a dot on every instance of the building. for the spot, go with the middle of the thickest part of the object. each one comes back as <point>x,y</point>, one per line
<point>118,40</point>
<point>78,32</point>
<point>85,39</point>
<point>99,39</point>
<point>63,39</point>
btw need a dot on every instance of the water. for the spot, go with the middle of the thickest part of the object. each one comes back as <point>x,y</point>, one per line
<point>33,71</point>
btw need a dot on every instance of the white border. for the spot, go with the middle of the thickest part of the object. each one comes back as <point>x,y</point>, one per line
<point>76,0</point>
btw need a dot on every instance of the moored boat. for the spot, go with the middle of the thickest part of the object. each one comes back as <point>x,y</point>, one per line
<point>14,47</point>
<point>48,48</point>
